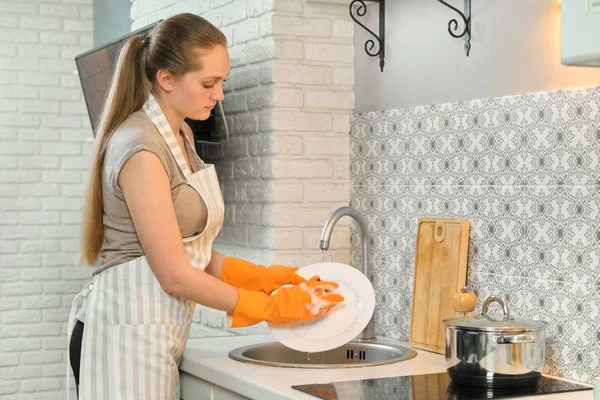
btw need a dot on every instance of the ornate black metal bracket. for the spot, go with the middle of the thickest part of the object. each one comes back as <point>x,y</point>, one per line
<point>453,24</point>
<point>361,10</point>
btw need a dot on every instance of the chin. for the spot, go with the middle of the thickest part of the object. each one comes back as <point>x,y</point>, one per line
<point>201,115</point>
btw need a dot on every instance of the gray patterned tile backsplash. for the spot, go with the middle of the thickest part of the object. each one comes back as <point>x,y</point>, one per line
<point>525,171</point>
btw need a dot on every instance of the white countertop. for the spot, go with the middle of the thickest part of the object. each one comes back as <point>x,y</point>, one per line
<point>207,359</point>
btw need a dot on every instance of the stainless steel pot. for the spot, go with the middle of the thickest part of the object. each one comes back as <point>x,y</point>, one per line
<point>495,351</point>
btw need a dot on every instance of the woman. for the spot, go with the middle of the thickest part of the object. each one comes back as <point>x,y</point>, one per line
<point>153,210</point>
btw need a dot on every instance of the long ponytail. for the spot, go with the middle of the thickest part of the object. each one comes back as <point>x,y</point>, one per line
<point>171,46</point>
<point>126,95</point>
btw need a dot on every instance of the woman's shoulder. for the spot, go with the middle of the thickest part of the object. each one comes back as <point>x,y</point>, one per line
<point>135,134</point>
<point>137,130</point>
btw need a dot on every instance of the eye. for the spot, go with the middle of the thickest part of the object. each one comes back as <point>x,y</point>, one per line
<point>208,85</point>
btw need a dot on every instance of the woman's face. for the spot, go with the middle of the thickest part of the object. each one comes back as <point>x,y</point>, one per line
<point>195,94</point>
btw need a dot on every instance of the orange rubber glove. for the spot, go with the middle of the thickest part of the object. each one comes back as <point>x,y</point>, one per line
<point>246,275</point>
<point>303,302</point>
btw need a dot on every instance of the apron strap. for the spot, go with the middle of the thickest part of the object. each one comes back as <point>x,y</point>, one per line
<point>154,112</point>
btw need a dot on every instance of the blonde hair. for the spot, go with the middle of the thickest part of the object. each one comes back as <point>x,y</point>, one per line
<point>171,46</point>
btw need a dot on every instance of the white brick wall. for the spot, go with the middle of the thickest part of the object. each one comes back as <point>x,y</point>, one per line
<point>313,71</point>
<point>44,152</point>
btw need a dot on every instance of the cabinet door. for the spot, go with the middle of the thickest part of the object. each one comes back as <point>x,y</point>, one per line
<point>224,394</point>
<point>193,388</point>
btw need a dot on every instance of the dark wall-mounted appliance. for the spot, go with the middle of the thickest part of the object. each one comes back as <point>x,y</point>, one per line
<point>96,67</point>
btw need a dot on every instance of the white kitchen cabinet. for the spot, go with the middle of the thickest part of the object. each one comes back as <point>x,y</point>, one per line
<point>580,32</point>
<point>193,388</point>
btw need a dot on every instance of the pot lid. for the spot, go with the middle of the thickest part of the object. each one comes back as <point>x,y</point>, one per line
<point>486,322</point>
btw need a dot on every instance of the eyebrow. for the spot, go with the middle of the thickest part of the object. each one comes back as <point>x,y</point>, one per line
<point>214,77</point>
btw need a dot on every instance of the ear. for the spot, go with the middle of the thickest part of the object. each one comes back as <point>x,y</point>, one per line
<point>165,80</point>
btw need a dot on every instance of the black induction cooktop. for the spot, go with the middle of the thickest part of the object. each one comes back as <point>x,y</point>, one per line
<point>428,387</point>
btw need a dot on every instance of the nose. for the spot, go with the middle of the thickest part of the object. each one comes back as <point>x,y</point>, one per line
<point>218,95</point>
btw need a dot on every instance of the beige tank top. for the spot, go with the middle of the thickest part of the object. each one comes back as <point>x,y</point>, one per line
<point>137,133</point>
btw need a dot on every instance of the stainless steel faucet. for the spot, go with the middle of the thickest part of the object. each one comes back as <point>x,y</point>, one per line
<point>369,332</point>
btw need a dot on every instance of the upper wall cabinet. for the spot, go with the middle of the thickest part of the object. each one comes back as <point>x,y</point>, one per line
<point>580,32</point>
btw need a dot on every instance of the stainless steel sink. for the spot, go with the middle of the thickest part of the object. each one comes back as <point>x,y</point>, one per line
<point>352,354</point>
<point>366,350</point>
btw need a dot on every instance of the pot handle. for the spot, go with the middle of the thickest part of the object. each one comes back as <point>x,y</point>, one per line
<point>516,339</point>
<point>499,300</point>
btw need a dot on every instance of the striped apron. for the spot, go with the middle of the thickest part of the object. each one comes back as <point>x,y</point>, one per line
<point>135,333</point>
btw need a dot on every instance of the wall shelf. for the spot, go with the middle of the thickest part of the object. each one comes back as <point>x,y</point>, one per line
<point>359,7</point>
<point>453,24</point>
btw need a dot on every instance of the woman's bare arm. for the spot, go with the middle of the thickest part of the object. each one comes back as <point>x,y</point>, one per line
<point>215,266</point>
<point>145,186</point>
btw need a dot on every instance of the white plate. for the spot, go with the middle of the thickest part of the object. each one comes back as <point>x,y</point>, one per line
<point>343,323</point>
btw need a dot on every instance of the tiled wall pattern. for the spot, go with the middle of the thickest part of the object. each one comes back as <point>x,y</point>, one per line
<point>525,171</point>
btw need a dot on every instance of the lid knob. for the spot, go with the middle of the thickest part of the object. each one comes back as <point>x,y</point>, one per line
<point>464,301</point>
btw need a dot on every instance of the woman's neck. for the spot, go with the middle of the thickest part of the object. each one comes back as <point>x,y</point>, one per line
<point>175,121</point>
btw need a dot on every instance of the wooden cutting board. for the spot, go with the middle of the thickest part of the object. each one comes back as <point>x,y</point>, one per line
<point>440,272</point>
